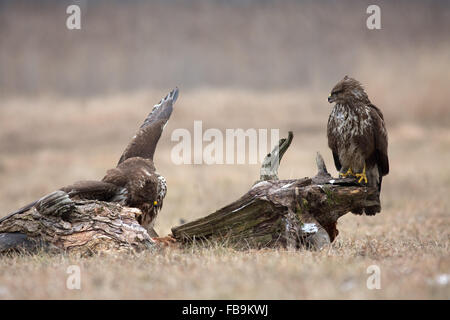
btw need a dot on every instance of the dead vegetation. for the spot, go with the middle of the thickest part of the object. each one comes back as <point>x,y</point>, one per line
<point>71,102</point>
<point>409,240</point>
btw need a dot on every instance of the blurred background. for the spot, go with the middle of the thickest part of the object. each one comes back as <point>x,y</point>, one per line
<point>72,99</point>
<point>125,46</point>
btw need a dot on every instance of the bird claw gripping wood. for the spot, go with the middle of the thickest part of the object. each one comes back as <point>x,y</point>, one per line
<point>362,176</point>
<point>345,175</point>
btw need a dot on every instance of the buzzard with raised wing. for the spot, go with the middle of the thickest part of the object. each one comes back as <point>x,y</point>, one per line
<point>135,181</point>
<point>357,137</point>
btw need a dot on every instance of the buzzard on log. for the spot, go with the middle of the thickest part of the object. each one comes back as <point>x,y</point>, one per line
<point>134,182</point>
<point>357,137</point>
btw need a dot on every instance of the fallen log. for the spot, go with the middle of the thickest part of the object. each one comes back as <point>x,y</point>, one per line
<point>59,224</point>
<point>291,213</point>
<point>287,213</point>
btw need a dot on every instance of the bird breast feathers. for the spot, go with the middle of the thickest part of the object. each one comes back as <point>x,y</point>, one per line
<point>348,122</point>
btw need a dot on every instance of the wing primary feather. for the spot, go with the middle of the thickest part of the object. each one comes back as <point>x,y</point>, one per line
<point>144,142</point>
<point>98,190</point>
<point>337,163</point>
<point>163,109</point>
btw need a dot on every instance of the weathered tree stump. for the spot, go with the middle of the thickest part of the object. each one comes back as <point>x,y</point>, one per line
<point>59,224</point>
<point>287,213</point>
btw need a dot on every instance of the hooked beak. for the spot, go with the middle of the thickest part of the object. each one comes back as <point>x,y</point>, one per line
<point>330,100</point>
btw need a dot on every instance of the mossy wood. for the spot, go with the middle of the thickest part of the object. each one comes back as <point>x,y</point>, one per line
<point>287,213</point>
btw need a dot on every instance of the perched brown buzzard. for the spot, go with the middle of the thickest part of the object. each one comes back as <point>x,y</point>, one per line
<point>134,182</point>
<point>357,137</point>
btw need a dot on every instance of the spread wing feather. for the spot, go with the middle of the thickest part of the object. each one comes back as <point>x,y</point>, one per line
<point>91,190</point>
<point>144,142</point>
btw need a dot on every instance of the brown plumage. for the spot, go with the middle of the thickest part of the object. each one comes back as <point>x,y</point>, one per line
<point>134,182</point>
<point>357,136</point>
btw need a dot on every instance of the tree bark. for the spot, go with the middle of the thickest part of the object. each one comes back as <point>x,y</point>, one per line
<point>59,224</point>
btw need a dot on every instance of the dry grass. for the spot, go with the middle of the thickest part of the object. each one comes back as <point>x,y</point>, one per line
<point>71,100</point>
<point>48,142</point>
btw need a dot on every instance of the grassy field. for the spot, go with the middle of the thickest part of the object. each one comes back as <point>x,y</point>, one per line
<point>72,99</point>
<point>49,141</point>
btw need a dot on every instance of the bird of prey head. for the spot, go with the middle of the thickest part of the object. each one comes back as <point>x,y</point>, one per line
<point>347,88</point>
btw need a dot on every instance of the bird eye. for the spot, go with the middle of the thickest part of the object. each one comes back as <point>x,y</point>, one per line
<point>155,203</point>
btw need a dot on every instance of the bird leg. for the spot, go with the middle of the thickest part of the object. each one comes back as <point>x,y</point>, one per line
<point>362,176</point>
<point>348,173</point>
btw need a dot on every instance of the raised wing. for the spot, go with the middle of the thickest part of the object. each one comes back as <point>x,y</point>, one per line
<point>144,142</point>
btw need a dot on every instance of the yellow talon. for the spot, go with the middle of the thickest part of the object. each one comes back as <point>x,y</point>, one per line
<point>362,176</point>
<point>348,173</point>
